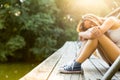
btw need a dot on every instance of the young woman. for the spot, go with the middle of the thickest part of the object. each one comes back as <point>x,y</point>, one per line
<point>96,33</point>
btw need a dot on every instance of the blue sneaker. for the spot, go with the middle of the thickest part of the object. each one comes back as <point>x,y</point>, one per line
<point>70,68</point>
<point>69,63</point>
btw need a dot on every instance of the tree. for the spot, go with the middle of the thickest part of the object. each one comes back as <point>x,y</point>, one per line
<point>28,29</point>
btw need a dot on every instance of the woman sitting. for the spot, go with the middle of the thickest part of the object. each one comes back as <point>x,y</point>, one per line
<point>96,33</point>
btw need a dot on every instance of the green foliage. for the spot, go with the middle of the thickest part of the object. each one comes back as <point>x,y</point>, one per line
<point>15,43</point>
<point>31,29</point>
<point>10,46</point>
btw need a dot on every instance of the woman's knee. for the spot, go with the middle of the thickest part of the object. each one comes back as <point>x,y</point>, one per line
<point>93,42</point>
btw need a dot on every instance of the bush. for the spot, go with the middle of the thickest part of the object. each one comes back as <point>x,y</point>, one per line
<point>31,29</point>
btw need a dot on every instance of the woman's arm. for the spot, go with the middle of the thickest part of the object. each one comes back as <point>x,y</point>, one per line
<point>97,31</point>
<point>114,12</point>
<point>85,35</point>
<point>107,24</point>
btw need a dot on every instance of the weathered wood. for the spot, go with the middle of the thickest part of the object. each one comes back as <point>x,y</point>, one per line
<point>100,68</point>
<point>42,71</point>
<point>106,66</point>
<point>113,69</point>
<point>90,71</point>
<point>118,75</point>
<point>94,68</point>
<point>68,55</point>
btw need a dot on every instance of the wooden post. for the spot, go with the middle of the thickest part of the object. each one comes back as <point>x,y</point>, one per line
<point>113,69</point>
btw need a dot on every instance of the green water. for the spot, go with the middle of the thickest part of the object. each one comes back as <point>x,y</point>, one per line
<point>14,71</point>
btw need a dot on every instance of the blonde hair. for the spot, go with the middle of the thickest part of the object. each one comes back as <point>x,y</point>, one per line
<point>91,17</point>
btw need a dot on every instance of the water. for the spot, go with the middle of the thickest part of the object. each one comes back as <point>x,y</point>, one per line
<point>14,71</point>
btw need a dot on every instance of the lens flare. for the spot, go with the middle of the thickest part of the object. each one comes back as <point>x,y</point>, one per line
<point>95,6</point>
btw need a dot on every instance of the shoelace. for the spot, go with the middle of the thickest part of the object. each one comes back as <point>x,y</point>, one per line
<point>70,66</point>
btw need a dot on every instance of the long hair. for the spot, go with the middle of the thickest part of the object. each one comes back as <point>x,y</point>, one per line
<point>91,17</point>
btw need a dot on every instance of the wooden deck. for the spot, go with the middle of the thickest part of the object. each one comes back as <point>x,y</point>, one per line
<point>94,68</point>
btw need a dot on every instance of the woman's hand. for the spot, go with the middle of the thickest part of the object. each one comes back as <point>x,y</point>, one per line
<point>84,35</point>
<point>91,33</point>
<point>95,32</point>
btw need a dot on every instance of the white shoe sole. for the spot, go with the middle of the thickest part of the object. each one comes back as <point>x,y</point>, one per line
<point>70,72</point>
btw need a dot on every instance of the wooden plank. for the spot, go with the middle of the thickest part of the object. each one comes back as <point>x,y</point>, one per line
<point>118,74</point>
<point>104,64</point>
<point>68,55</point>
<point>76,47</point>
<point>100,68</point>
<point>94,68</point>
<point>77,77</point>
<point>112,70</point>
<point>55,75</point>
<point>42,71</point>
<point>90,71</point>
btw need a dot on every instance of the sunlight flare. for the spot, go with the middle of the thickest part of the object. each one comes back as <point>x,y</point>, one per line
<point>95,6</point>
<point>90,3</point>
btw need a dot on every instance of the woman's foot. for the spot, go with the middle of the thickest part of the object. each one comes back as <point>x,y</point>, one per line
<point>73,67</point>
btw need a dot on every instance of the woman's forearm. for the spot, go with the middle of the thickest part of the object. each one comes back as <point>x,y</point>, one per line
<point>91,33</point>
<point>107,24</point>
<point>85,35</point>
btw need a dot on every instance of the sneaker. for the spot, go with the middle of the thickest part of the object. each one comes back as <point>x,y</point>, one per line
<point>74,67</point>
<point>68,64</point>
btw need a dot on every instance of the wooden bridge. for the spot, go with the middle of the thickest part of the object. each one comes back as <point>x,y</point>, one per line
<point>94,68</point>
